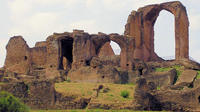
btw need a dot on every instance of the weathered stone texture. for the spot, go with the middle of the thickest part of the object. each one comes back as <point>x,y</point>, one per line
<point>163,79</point>
<point>62,52</point>
<point>146,97</point>
<point>187,77</point>
<point>140,25</point>
<point>41,44</point>
<point>18,55</point>
<point>38,56</point>
<point>106,50</point>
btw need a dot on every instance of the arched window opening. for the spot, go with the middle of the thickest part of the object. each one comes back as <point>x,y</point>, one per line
<point>164,35</point>
<point>115,47</point>
<point>66,48</point>
<point>109,49</point>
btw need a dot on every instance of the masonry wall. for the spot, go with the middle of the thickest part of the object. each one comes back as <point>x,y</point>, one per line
<point>38,56</point>
<point>18,55</point>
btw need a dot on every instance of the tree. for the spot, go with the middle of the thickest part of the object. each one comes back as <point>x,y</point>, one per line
<point>9,103</point>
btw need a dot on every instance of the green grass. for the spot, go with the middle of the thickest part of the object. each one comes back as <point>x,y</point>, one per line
<point>198,75</point>
<point>86,90</point>
<point>158,88</point>
<point>1,83</point>
<point>165,69</point>
<point>112,96</point>
<point>124,94</point>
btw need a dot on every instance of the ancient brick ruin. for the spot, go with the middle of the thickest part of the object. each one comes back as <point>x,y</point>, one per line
<point>140,25</point>
<point>83,57</point>
<point>67,51</point>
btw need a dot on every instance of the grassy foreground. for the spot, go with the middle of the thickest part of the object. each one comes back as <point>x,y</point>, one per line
<point>94,110</point>
<point>111,93</point>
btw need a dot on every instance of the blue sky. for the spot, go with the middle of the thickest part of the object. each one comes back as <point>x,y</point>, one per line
<point>35,20</point>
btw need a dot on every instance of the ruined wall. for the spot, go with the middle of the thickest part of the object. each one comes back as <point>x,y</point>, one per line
<point>136,43</point>
<point>140,25</point>
<point>22,59</point>
<point>18,55</point>
<point>38,56</point>
<point>106,50</point>
<point>83,50</point>
<point>41,44</point>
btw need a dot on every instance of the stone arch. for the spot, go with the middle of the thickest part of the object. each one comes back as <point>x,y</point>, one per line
<point>181,28</point>
<point>115,47</point>
<point>115,38</point>
<point>105,50</point>
<point>121,41</point>
<point>140,26</point>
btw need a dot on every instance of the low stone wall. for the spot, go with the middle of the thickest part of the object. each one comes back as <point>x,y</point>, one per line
<point>42,95</point>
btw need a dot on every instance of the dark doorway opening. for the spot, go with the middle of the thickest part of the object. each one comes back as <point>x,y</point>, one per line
<point>140,71</point>
<point>199,99</point>
<point>66,48</point>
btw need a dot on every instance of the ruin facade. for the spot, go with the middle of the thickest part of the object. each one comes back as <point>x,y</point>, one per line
<point>66,51</point>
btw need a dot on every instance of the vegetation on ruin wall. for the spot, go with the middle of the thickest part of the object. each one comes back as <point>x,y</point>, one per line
<point>179,69</point>
<point>111,93</point>
<point>198,75</point>
<point>9,103</point>
<point>165,69</point>
<point>1,83</point>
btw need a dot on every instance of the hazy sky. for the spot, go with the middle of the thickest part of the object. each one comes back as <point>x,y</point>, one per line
<point>35,20</point>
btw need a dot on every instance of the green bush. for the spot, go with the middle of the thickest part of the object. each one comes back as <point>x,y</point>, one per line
<point>198,75</point>
<point>68,80</point>
<point>158,88</point>
<point>9,103</point>
<point>124,94</point>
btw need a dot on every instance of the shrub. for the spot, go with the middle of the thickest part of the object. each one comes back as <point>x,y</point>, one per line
<point>68,80</point>
<point>198,75</point>
<point>9,103</point>
<point>158,88</point>
<point>125,94</point>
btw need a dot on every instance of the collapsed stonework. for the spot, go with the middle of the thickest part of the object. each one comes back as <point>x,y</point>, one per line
<point>66,51</point>
<point>83,57</point>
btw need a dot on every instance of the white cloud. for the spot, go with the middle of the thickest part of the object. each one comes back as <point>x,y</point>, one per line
<point>194,22</point>
<point>19,8</point>
<point>90,3</point>
<point>87,25</point>
<point>39,22</point>
<point>141,3</point>
<point>115,4</point>
<point>67,3</point>
<point>195,55</point>
<point>4,41</point>
<point>43,22</point>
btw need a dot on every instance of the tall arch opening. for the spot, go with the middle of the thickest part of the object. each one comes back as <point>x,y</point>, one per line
<point>116,48</point>
<point>109,49</point>
<point>110,53</point>
<point>66,55</point>
<point>164,35</point>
